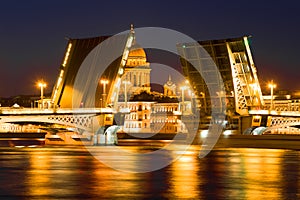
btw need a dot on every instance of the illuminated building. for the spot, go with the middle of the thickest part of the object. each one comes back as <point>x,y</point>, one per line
<point>138,120</point>
<point>170,88</point>
<point>153,113</point>
<point>166,118</point>
<point>136,71</point>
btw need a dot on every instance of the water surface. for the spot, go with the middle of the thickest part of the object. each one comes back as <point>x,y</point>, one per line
<point>68,172</point>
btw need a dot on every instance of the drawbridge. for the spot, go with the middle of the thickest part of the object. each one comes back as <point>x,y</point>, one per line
<point>86,91</point>
<point>85,94</point>
<point>242,96</point>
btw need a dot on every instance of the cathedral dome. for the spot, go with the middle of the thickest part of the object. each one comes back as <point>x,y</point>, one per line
<point>137,57</point>
<point>136,51</point>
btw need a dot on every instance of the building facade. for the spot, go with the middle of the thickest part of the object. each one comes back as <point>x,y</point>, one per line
<point>166,118</point>
<point>138,120</point>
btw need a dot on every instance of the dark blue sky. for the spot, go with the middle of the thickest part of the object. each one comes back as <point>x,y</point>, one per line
<point>32,33</point>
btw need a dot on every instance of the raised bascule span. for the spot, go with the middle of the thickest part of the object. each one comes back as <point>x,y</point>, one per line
<point>85,94</point>
<point>86,63</point>
<point>243,97</point>
<point>235,65</point>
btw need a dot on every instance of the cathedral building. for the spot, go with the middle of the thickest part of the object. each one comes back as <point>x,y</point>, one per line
<point>137,72</point>
<point>149,112</point>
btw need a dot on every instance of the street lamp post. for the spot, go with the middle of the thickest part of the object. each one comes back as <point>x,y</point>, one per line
<point>104,82</point>
<point>183,88</point>
<point>42,85</point>
<point>272,86</point>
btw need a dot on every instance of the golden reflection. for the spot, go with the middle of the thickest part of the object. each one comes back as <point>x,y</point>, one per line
<point>261,173</point>
<point>183,178</point>
<point>48,171</point>
<point>105,181</point>
<point>37,177</point>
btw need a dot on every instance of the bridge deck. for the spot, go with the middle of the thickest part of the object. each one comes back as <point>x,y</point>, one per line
<point>37,111</point>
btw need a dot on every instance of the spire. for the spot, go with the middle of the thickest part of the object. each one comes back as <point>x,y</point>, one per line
<point>132,33</point>
<point>169,82</point>
<point>131,28</point>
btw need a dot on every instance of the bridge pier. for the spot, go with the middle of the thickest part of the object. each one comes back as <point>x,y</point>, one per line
<point>106,136</point>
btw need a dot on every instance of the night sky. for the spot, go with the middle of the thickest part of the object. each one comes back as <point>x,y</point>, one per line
<point>32,41</point>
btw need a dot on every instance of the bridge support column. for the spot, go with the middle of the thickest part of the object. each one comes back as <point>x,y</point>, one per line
<point>99,137</point>
<point>106,136</point>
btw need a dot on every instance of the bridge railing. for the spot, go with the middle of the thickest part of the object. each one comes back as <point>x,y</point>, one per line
<point>274,112</point>
<point>16,111</point>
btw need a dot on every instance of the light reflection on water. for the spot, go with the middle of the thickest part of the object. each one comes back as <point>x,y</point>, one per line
<point>72,173</point>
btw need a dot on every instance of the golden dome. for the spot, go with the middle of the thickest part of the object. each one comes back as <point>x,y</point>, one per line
<point>136,52</point>
<point>137,57</point>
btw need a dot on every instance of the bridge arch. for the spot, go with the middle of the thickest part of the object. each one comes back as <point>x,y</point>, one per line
<point>83,122</point>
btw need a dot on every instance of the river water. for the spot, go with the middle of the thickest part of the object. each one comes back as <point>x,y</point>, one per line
<point>68,172</point>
